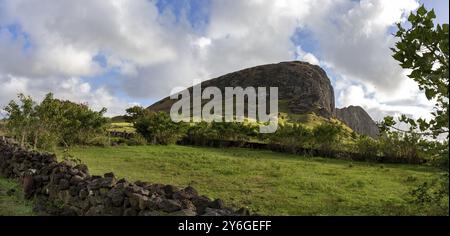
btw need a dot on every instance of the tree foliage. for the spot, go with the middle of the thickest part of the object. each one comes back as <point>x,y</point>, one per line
<point>293,136</point>
<point>158,128</point>
<point>135,112</point>
<point>424,49</point>
<point>328,136</point>
<point>53,122</point>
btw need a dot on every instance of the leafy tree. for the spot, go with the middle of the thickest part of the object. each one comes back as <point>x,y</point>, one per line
<point>405,148</point>
<point>133,113</point>
<point>53,122</point>
<point>158,128</point>
<point>327,136</point>
<point>367,147</point>
<point>20,118</point>
<point>200,133</point>
<point>2,127</point>
<point>424,49</point>
<point>292,136</point>
<point>236,131</point>
<point>72,123</point>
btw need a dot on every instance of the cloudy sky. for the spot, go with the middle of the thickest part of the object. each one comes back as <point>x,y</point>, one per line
<point>118,53</point>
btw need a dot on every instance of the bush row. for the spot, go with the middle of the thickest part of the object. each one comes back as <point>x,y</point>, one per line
<point>329,139</point>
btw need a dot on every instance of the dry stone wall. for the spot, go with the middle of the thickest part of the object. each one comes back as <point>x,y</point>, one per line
<point>67,188</point>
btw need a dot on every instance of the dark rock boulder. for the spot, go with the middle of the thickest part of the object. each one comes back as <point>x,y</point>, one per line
<point>357,119</point>
<point>303,87</point>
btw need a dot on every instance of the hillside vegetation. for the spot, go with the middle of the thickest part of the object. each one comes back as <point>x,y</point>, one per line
<point>2,128</point>
<point>271,183</point>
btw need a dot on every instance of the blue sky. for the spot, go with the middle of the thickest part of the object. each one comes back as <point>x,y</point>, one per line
<point>120,53</point>
<point>197,12</point>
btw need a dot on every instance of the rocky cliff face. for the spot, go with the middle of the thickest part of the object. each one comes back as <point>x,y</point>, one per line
<point>302,88</point>
<point>357,118</point>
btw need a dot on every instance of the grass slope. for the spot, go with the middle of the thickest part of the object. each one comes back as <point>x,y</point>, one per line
<point>13,204</point>
<point>122,127</point>
<point>268,183</point>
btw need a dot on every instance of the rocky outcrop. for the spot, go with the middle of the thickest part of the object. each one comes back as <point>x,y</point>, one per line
<point>66,188</point>
<point>357,119</point>
<point>302,88</point>
<point>305,88</point>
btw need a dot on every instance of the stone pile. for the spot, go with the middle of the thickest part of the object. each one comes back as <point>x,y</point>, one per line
<point>67,188</point>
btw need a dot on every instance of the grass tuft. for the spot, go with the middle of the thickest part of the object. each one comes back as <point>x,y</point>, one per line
<point>12,202</point>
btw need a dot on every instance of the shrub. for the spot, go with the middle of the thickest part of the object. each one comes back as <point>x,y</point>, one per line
<point>292,137</point>
<point>2,128</point>
<point>136,140</point>
<point>236,131</point>
<point>203,133</point>
<point>158,128</point>
<point>405,148</point>
<point>99,141</point>
<point>53,122</point>
<point>433,194</point>
<point>438,154</point>
<point>200,133</point>
<point>368,148</point>
<point>327,137</point>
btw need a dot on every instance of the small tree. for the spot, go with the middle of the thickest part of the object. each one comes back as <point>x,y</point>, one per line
<point>424,49</point>
<point>158,128</point>
<point>53,122</point>
<point>367,147</point>
<point>292,136</point>
<point>135,112</point>
<point>327,136</point>
<point>20,118</point>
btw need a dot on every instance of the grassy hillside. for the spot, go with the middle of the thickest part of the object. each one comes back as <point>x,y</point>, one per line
<point>269,183</point>
<point>12,202</point>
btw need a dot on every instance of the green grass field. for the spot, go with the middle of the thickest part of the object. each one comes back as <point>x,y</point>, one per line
<point>269,183</point>
<point>13,203</point>
<point>122,127</point>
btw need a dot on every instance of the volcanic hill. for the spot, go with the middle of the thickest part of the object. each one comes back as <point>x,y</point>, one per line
<point>302,89</point>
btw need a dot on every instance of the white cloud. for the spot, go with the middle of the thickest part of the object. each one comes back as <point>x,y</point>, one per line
<point>354,39</point>
<point>154,53</point>
<point>73,89</point>
<point>66,35</point>
<point>306,56</point>
<point>408,101</point>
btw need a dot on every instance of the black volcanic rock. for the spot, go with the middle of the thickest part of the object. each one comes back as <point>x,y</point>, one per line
<point>305,88</point>
<point>358,120</point>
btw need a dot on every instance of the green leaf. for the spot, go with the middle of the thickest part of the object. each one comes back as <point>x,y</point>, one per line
<point>411,17</point>
<point>398,56</point>
<point>445,27</point>
<point>431,14</point>
<point>421,11</point>
<point>415,74</point>
<point>430,94</point>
